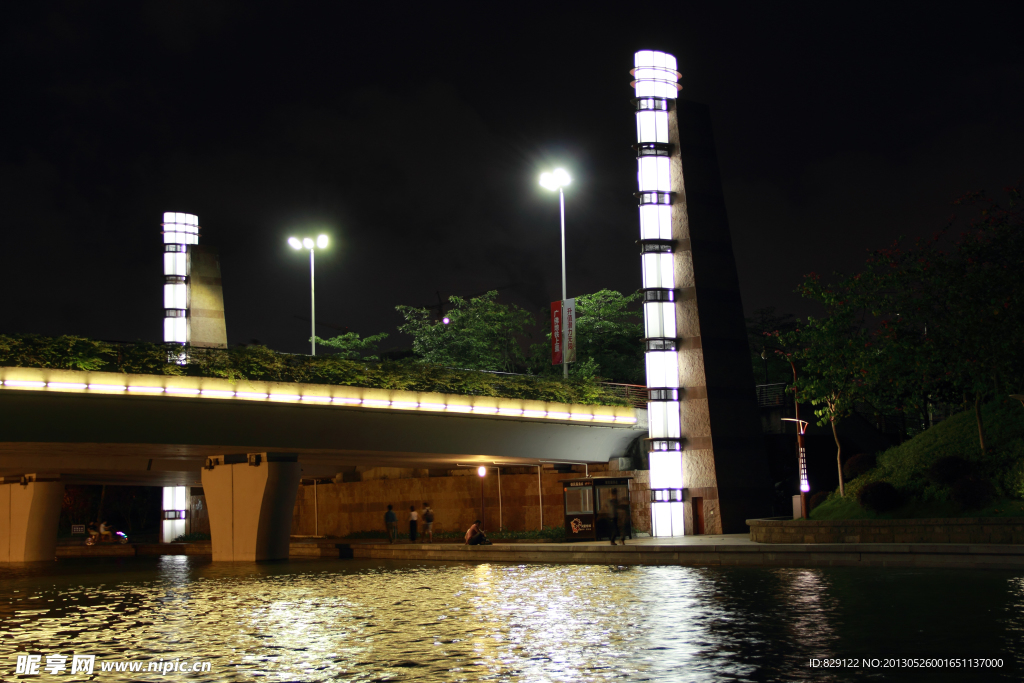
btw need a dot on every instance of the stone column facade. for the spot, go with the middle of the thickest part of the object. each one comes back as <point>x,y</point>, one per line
<point>29,514</point>
<point>251,498</point>
<point>724,462</point>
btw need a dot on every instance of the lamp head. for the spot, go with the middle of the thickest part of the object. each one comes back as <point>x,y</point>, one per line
<point>554,180</point>
<point>321,241</point>
<point>307,243</point>
<point>294,243</point>
<point>481,470</point>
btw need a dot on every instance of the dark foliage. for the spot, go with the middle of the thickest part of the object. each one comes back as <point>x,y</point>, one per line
<point>973,492</point>
<point>859,464</point>
<point>949,469</point>
<point>817,499</point>
<point>879,496</point>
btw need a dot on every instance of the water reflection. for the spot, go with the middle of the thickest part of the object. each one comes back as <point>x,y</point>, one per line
<point>378,621</point>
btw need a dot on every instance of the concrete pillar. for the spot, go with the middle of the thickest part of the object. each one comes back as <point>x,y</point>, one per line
<point>251,499</point>
<point>29,514</point>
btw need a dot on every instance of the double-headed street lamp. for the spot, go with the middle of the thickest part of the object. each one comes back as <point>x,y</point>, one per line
<point>307,243</point>
<point>556,180</point>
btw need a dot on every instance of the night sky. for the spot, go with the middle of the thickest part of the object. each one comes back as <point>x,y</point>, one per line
<point>414,138</point>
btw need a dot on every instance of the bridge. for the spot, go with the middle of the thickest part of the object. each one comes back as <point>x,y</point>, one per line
<point>249,442</point>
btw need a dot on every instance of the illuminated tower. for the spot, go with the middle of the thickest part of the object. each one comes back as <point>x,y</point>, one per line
<point>655,85</point>
<point>708,472</point>
<point>193,293</point>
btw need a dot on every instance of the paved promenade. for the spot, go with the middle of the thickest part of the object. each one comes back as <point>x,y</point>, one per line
<point>727,550</point>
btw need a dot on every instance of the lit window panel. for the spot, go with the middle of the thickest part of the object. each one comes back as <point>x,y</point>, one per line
<point>660,319</point>
<point>662,369</point>
<point>658,270</point>
<point>653,174</point>
<point>655,222</point>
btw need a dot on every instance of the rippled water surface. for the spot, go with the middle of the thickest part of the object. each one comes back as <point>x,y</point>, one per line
<point>351,620</point>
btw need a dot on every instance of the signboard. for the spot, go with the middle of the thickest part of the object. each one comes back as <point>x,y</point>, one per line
<point>563,331</point>
<point>556,332</point>
<point>77,529</point>
<point>569,328</point>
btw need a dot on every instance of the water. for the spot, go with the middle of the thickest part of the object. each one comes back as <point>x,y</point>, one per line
<point>351,620</point>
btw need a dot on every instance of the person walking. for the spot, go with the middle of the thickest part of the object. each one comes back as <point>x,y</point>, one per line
<point>428,523</point>
<point>391,523</point>
<point>413,517</point>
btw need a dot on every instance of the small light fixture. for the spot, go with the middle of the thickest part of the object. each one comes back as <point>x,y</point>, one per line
<point>294,243</point>
<point>446,320</point>
<point>482,471</point>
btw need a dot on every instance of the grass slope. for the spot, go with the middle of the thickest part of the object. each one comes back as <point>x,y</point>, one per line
<point>906,467</point>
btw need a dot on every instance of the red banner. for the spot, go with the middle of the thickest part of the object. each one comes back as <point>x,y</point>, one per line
<point>556,332</point>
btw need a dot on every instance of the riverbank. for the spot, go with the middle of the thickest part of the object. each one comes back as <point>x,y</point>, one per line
<point>726,551</point>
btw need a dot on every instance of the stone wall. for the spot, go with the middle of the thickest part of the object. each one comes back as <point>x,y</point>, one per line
<point>972,530</point>
<point>352,506</point>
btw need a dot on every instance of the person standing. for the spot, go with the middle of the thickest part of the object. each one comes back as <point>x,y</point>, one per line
<point>413,517</point>
<point>391,523</point>
<point>428,523</point>
<point>613,517</point>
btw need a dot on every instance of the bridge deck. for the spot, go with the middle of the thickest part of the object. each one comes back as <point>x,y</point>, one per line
<point>153,429</point>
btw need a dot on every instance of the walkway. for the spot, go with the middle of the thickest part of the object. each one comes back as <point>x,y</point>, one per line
<point>736,550</point>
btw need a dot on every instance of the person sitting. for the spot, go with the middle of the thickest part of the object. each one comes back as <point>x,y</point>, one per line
<point>475,535</point>
<point>105,532</point>
<point>93,531</point>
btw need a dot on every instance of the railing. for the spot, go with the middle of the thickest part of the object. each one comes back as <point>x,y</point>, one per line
<point>634,394</point>
<point>771,395</point>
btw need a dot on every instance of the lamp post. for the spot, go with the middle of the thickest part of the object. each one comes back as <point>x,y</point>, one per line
<point>801,427</point>
<point>556,180</point>
<point>482,471</point>
<point>307,243</point>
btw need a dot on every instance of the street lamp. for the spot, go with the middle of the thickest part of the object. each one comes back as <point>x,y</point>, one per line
<point>307,243</point>
<point>556,180</point>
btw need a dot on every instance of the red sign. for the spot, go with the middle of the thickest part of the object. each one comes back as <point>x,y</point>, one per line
<point>556,332</point>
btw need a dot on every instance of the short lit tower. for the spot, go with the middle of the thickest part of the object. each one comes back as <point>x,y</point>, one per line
<point>180,230</point>
<point>193,293</point>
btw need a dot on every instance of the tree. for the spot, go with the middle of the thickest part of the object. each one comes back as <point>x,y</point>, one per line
<point>481,334</point>
<point>956,318</point>
<point>832,350</point>
<point>350,347</point>
<point>609,340</point>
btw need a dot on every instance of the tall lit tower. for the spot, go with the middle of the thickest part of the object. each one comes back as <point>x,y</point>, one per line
<point>708,470</point>
<point>655,84</point>
<point>193,293</point>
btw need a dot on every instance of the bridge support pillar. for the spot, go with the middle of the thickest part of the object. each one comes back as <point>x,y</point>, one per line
<point>29,514</point>
<point>251,498</point>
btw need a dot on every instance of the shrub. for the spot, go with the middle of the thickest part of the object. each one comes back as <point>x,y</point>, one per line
<point>859,464</point>
<point>879,496</point>
<point>817,499</point>
<point>949,469</point>
<point>973,492</point>
<point>192,538</point>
